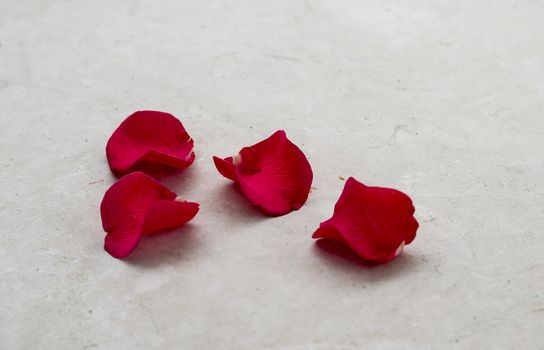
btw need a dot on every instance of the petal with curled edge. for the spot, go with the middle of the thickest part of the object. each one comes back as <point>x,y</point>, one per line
<point>375,222</point>
<point>149,140</point>
<point>136,205</point>
<point>273,174</point>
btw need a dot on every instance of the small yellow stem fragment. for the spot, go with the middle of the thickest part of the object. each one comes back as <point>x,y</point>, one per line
<point>237,159</point>
<point>399,249</point>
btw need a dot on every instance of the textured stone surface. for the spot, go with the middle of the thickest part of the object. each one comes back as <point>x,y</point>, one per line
<point>441,99</point>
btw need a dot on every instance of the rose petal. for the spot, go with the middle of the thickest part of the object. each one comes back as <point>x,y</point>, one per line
<point>273,174</point>
<point>149,138</point>
<point>374,222</point>
<point>136,205</point>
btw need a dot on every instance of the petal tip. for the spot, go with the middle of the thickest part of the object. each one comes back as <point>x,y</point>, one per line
<point>225,167</point>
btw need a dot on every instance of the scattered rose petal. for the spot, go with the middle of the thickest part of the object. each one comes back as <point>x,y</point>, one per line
<point>137,205</point>
<point>149,140</point>
<point>375,222</point>
<point>273,174</point>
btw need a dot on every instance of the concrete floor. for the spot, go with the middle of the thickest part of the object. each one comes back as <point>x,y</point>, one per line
<point>441,99</point>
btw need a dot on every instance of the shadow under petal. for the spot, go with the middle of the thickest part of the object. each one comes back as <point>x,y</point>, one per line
<point>340,257</point>
<point>236,205</point>
<point>165,247</point>
<point>180,180</point>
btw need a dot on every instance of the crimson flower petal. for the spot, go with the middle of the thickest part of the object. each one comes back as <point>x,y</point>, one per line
<point>273,174</point>
<point>137,205</point>
<point>374,222</point>
<point>149,138</point>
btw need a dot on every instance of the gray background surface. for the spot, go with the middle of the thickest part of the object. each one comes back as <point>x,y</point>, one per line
<point>441,99</point>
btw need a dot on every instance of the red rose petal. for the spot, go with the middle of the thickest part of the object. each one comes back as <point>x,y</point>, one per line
<point>273,174</point>
<point>374,222</point>
<point>136,205</point>
<point>149,138</point>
